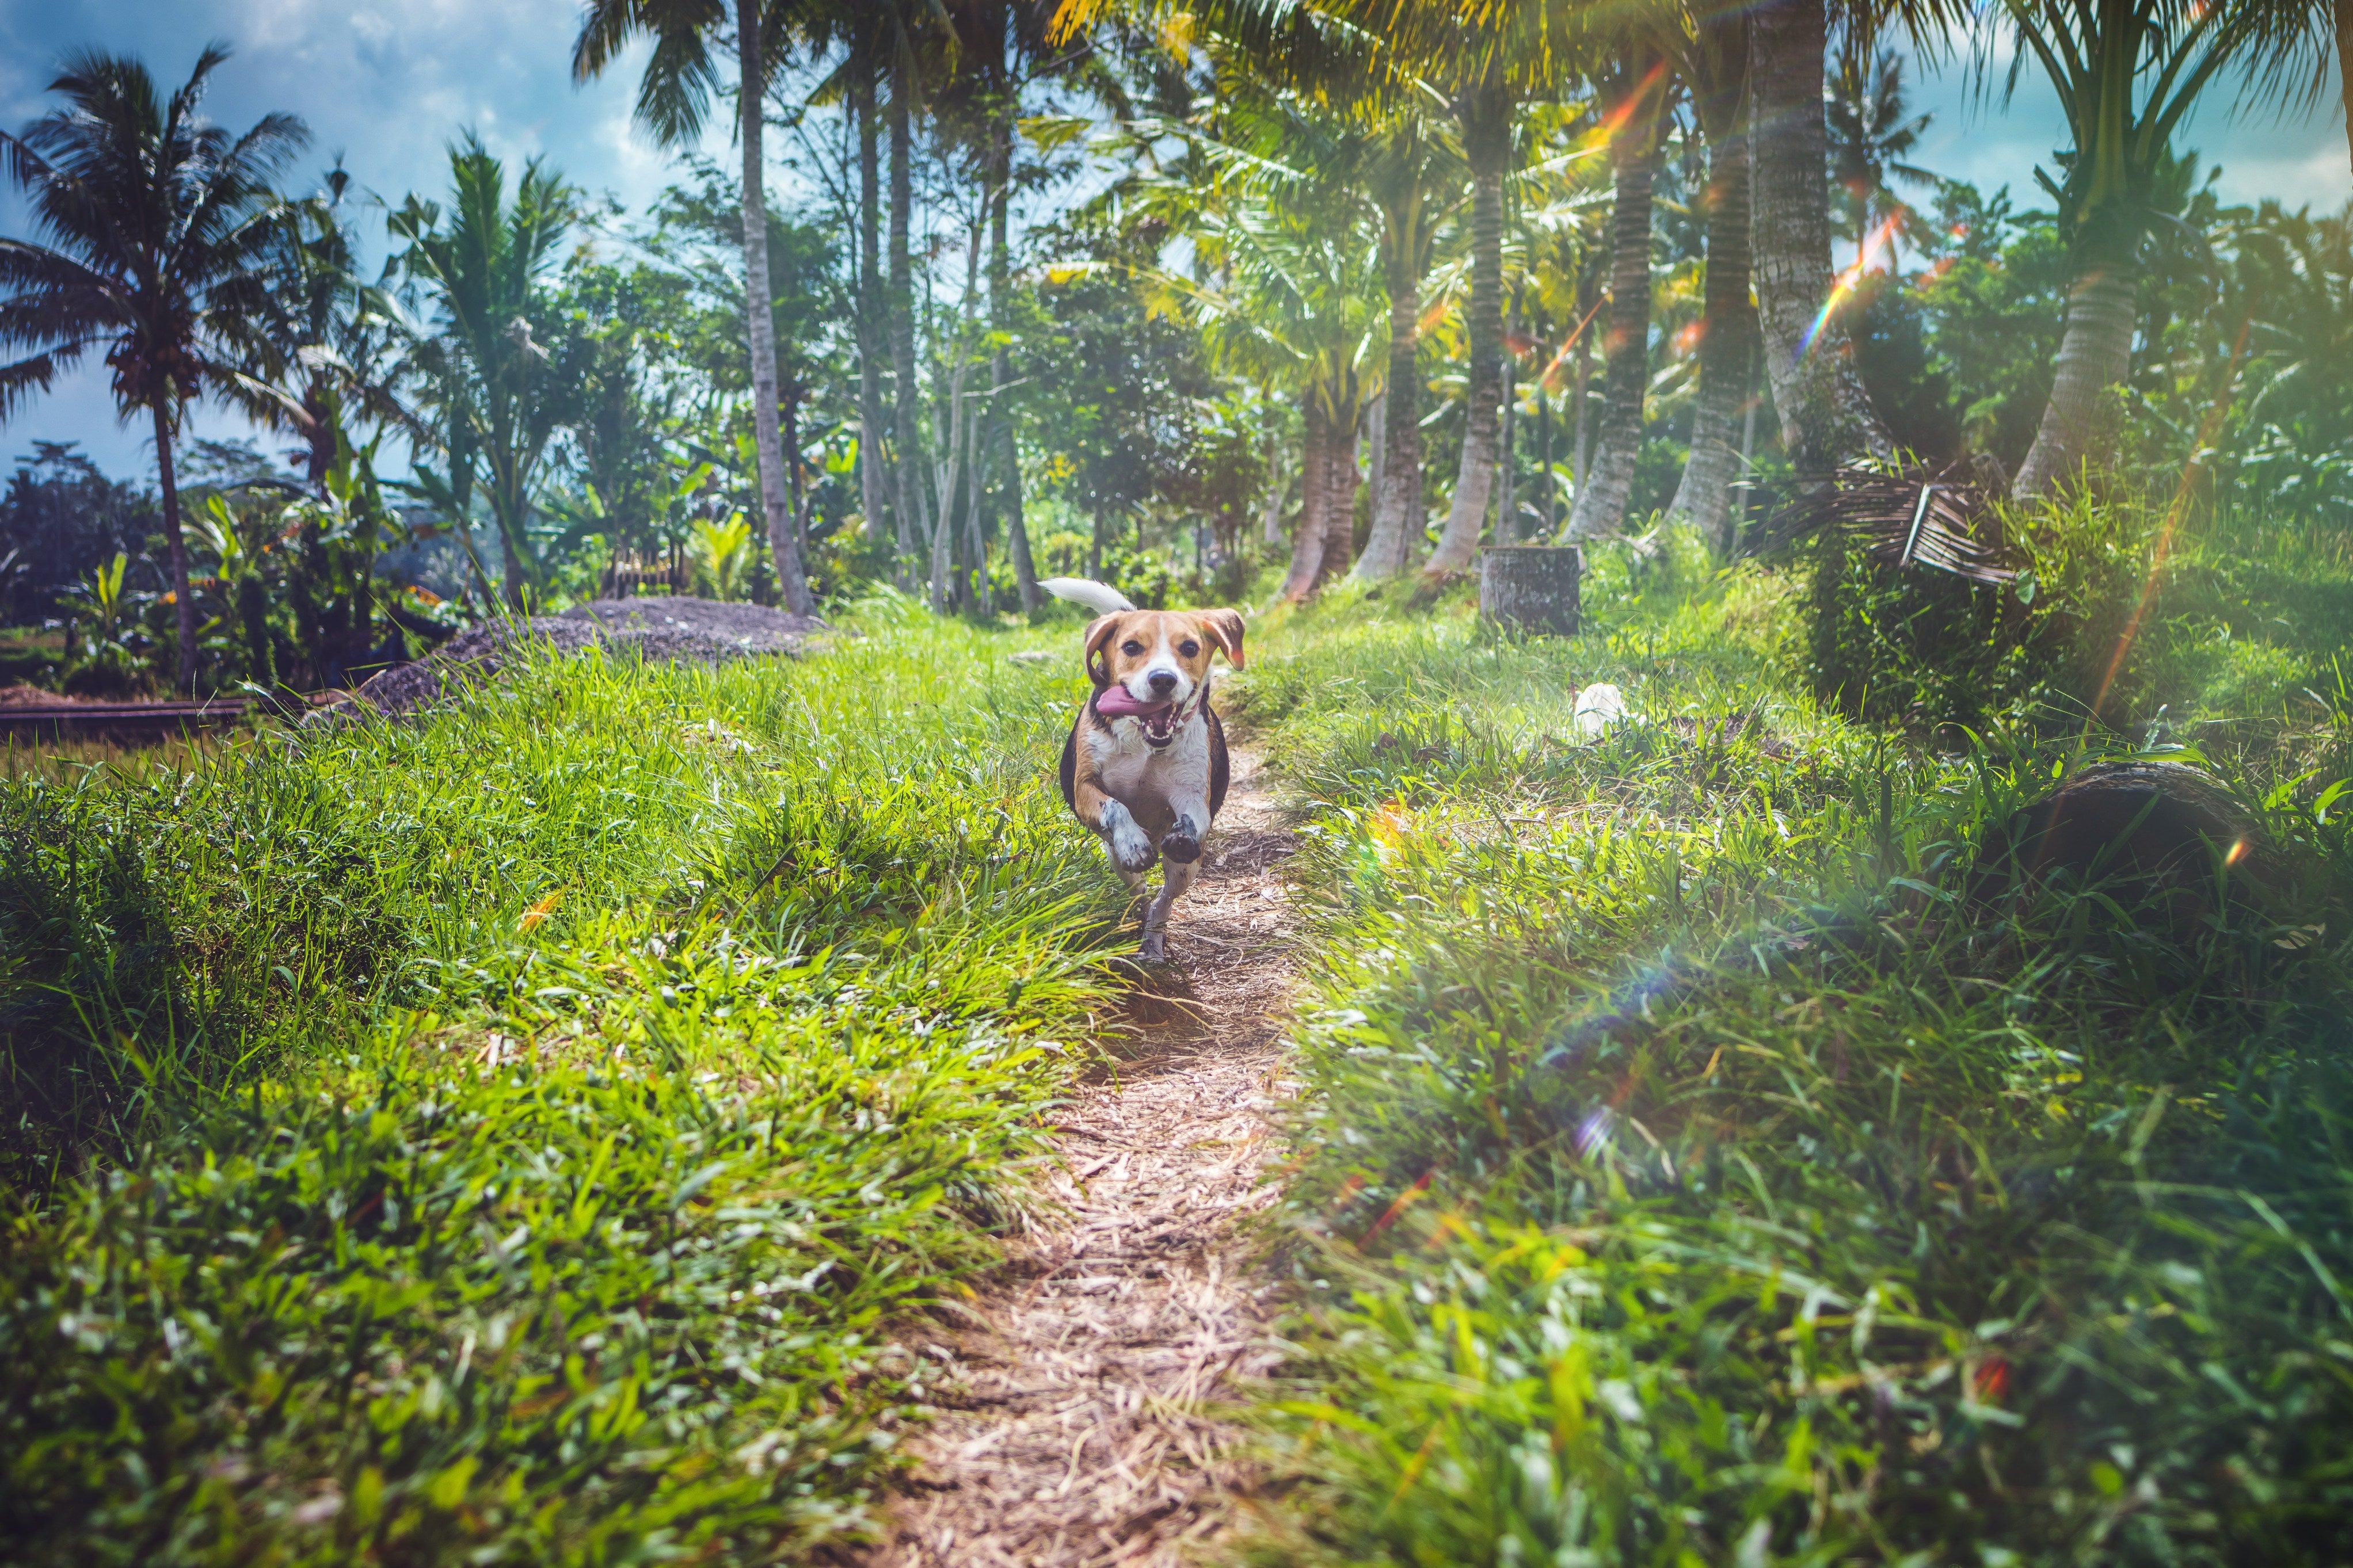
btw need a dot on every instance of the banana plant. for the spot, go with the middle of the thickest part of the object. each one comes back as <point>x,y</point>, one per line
<point>722,553</point>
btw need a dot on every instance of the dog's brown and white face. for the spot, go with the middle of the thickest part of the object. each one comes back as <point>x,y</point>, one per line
<point>1160,658</point>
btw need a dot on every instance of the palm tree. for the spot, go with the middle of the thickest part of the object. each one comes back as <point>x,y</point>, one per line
<point>1714,64</point>
<point>1287,293</point>
<point>157,227</point>
<point>673,100</point>
<point>1482,62</point>
<point>1410,175</point>
<point>484,271</point>
<point>1632,100</point>
<point>1825,415</point>
<point>1872,132</point>
<point>2127,71</point>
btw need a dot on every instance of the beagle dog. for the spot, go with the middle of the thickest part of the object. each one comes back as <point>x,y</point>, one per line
<point>1145,765</point>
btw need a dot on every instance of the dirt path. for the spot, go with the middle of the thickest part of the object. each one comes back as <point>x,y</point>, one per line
<point>1078,1429</point>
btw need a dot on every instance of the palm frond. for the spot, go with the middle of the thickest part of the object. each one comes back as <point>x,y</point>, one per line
<point>1943,519</point>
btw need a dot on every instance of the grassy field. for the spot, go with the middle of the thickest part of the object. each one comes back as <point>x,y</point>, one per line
<point>1691,1172</point>
<point>508,1136</point>
<point>514,1136</point>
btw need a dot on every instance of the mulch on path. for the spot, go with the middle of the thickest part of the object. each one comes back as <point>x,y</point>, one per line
<point>1088,1373</point>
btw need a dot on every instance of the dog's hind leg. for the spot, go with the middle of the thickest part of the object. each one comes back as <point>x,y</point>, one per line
<point>1177,876</point>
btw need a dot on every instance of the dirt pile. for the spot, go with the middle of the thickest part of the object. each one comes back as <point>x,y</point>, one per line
<point>676,630</point>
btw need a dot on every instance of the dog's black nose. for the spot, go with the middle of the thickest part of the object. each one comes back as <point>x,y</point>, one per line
<point>1163,681</point>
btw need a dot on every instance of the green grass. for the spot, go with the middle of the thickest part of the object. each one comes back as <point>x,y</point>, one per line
<point>1688,1172</point>
<point>516,1136</point>
<point>513,1136</point>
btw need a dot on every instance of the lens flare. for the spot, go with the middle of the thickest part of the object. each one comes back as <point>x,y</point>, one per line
<point>2173,515</point>
<point>1848,282</point>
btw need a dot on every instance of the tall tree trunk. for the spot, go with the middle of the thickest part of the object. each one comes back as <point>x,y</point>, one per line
<point>1735,516</point>
<point>873,481</point>
<point>1601,502</point>
<point>1580,446</point>
<point>1007,444</point>
<point>2079,422</point>
<point>1486,119</point>
<point>904,433</point>
<point>183,603</point>
<point>1548,488</point>
<point>1397,493</point>
<point>1343,478</point>
<point>759,301</point>
<point>1825,417</point>
<point>2344,20</point>
<point>1726,344</point>
<point>1308,538</point>
<point>1278,484</point>
<point>1507,487</point>
<point>790,440</point>
<point>975,484</point>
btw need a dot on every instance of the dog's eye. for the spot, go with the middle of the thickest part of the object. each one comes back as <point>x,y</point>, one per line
<point>1188,647</point>
<point>1131,648</point>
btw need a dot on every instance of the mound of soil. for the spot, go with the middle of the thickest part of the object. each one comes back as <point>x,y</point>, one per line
<point>675,630</point>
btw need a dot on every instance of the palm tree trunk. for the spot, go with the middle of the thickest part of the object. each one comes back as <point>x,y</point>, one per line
<point>790,438</point>
<point>1397,496</point>
<point>182,602</point>
<point>873,481</point>
<point>1726,344</point>
<point>1507,487</point>
<point>1343,479</point>
<point>1278,486</point>
<point>1547,488</point>
<point>1580,446</point>
<point>1308,537</point>
<point>761,321</point>
<point>1007,444</point>
<point>2095,355</point>
<point>1602,500</point>
<point>903,428</point>
<point>975,484</point>
<point>1824,415</point>
<point>2344,20</point>
<point>1487,145</point>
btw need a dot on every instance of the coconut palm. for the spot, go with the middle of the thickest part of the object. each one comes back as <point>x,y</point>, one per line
<point>321,341</point>
<point>481,268</point>
<point>1871,133</point>
<point>1482,62</point>
<point>1286,290</point>
<point>1632,98</point>
<point>1714,67</point>
<point>1825,417</point>
<point>154,227</point>
<point>1412,173</point>
<point>2127,71</point>
<point>672,99</point>
<point>1485,61</point>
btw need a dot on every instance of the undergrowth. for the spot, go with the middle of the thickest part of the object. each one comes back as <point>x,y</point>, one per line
<point>509,1136</point>
<point>1690,1169</point>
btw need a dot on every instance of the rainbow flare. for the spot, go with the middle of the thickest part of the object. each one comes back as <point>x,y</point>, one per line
<point>1843,288</point>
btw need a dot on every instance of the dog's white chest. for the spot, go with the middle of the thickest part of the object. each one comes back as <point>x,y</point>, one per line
<point>1154,785</point>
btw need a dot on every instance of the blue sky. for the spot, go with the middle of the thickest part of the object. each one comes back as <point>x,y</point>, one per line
<point>388,82</point>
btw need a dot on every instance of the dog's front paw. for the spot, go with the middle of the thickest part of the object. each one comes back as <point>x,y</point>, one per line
<point>1183,845</point>
<point>1130,849</point>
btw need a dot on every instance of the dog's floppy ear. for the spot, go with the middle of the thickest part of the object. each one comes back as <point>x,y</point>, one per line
<point>1100,631</point>
<point>1225,629</point>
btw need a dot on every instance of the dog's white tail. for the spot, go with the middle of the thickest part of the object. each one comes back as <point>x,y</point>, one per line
<point>1100,598</point>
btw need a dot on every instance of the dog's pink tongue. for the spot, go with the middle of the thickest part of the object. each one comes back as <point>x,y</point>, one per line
<point>1117,702</point>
